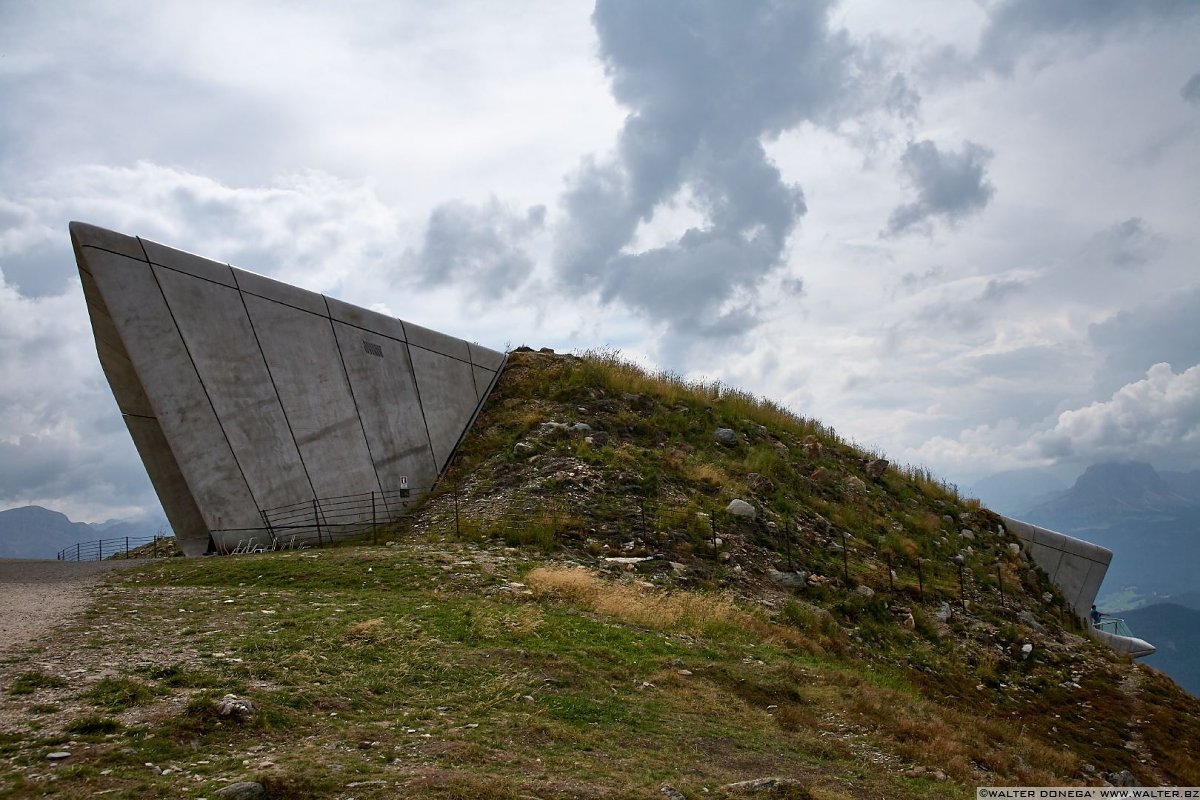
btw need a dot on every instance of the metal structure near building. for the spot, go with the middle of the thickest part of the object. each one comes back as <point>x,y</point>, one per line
<point>244,394</point>
<point>1077,568</point>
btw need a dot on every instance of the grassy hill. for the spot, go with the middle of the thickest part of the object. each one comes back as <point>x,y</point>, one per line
<point>575,614</point>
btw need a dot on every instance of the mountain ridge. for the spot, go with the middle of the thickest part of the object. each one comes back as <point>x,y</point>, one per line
<point>41,533</point>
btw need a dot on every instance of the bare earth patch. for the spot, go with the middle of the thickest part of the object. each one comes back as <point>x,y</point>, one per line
<point>37,595</point>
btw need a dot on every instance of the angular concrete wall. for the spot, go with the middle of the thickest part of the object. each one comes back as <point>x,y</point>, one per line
<point>1073,565</point>
<point>244,395</point>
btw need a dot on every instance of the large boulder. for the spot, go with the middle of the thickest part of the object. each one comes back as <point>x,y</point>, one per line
<point>740,508</point>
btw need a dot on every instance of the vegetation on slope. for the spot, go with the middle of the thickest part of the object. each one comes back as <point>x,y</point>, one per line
<point>620,650</point>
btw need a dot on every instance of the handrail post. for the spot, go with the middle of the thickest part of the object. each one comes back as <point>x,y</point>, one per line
<point>77,550</point>
<point>100,546</point>
<point>374,522</point>
<point>317,519</point>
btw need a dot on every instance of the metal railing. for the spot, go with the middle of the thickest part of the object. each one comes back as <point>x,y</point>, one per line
<point>118,547</point>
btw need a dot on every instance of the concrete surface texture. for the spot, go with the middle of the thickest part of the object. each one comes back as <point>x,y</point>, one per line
<point>245,395</point>
<point>1076,567</point>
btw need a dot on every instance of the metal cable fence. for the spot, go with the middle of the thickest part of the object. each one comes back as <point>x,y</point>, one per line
<point>120,547</point>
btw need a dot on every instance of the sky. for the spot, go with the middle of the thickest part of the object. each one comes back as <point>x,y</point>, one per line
<point>962,233</point>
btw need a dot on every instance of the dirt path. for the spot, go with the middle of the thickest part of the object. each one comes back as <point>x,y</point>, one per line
<point>36,595</point>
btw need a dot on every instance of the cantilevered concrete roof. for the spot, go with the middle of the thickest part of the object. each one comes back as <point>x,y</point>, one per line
<point>244,394</point>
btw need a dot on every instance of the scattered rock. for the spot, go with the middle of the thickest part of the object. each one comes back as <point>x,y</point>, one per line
<point>547,350</point>
<point>242,790</point>
<point>1014,548</point>
<point>671,793</point>
<point>523,449</point>
<point>969,535</point>
<point>58,755</point>
<point>1026,650</point>
<point>782,449</point>
<point>740,508</point>
<point>581,427</point>
<point>233,706</point>
<point>864,591</point>
<point>876,468</point>
<point>1122,778</point>
<point>759,785</point>
<point>820,475</point>
<point>760,483</point>
<point>943,612</point>
<point>855,485</point>
<point>726,436</point>
<point>790,580</point>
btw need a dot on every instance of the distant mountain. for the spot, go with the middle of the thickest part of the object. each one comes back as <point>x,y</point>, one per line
<point>1175,631</point>
<point>1013,491</point>
<point>36,532</point>
<point>1151,526</point>
<point>1185,483</point>
<point>1106,495</point>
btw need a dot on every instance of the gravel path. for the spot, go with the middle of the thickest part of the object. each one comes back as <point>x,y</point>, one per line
<point>35,595</point>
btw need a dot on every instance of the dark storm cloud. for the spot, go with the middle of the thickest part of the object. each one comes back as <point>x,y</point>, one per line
<point>949,185</point>
<point>480,247</point>
<point>1191,90</point>
<point>1132,341</point>
<point>704,83</point>
<point>1017,27</point>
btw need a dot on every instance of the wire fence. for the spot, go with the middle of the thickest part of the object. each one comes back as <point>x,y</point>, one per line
<point>618,524</point>
<point>157,546</point>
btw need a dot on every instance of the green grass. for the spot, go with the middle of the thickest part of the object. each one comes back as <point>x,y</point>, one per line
<point>31,682</point>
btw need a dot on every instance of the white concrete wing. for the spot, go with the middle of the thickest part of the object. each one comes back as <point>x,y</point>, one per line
<point>244,394</point>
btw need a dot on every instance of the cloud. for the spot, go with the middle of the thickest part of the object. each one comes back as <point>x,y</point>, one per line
<point>62,442</point>
<point>1125,245</point>
<point>1191,90</point>
<point>704,83</point>
<point>1017,28</point>
<point>1165,331</point>
<point>1156,419</point>
<point>481,247</point>
<point>949,185</point>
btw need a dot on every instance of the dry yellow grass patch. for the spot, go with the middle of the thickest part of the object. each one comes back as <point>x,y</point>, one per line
<point>636,605</point>
<point>370,630</point>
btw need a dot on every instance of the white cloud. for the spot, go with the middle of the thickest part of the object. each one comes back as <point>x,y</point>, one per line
<point>1156,419</point>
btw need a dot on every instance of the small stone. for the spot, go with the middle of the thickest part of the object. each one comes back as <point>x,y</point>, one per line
<point>58,755</point>
<point>242,790</point>
<point>671,793</point>
<point>581,427</point>
<point>876,468</point>
<point>791,580</point>
<point>967,534</point>
<point>855,485</point>
<point>1014,548</point>
<point>864,591</point>
<point>522,449</point>
<point>726,436</point>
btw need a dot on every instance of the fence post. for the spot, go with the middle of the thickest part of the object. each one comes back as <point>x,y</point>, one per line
<point>787,540</point>
<point>962,587</point>
<point>457,525</point>
<point>127,547</point>
<point>270,529</point>
<point>712,519</point>
<point>100,546</point>
<point>846,557</point>
<point>77,551</point>
<point>374,522</point>
<point>317,519</point>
